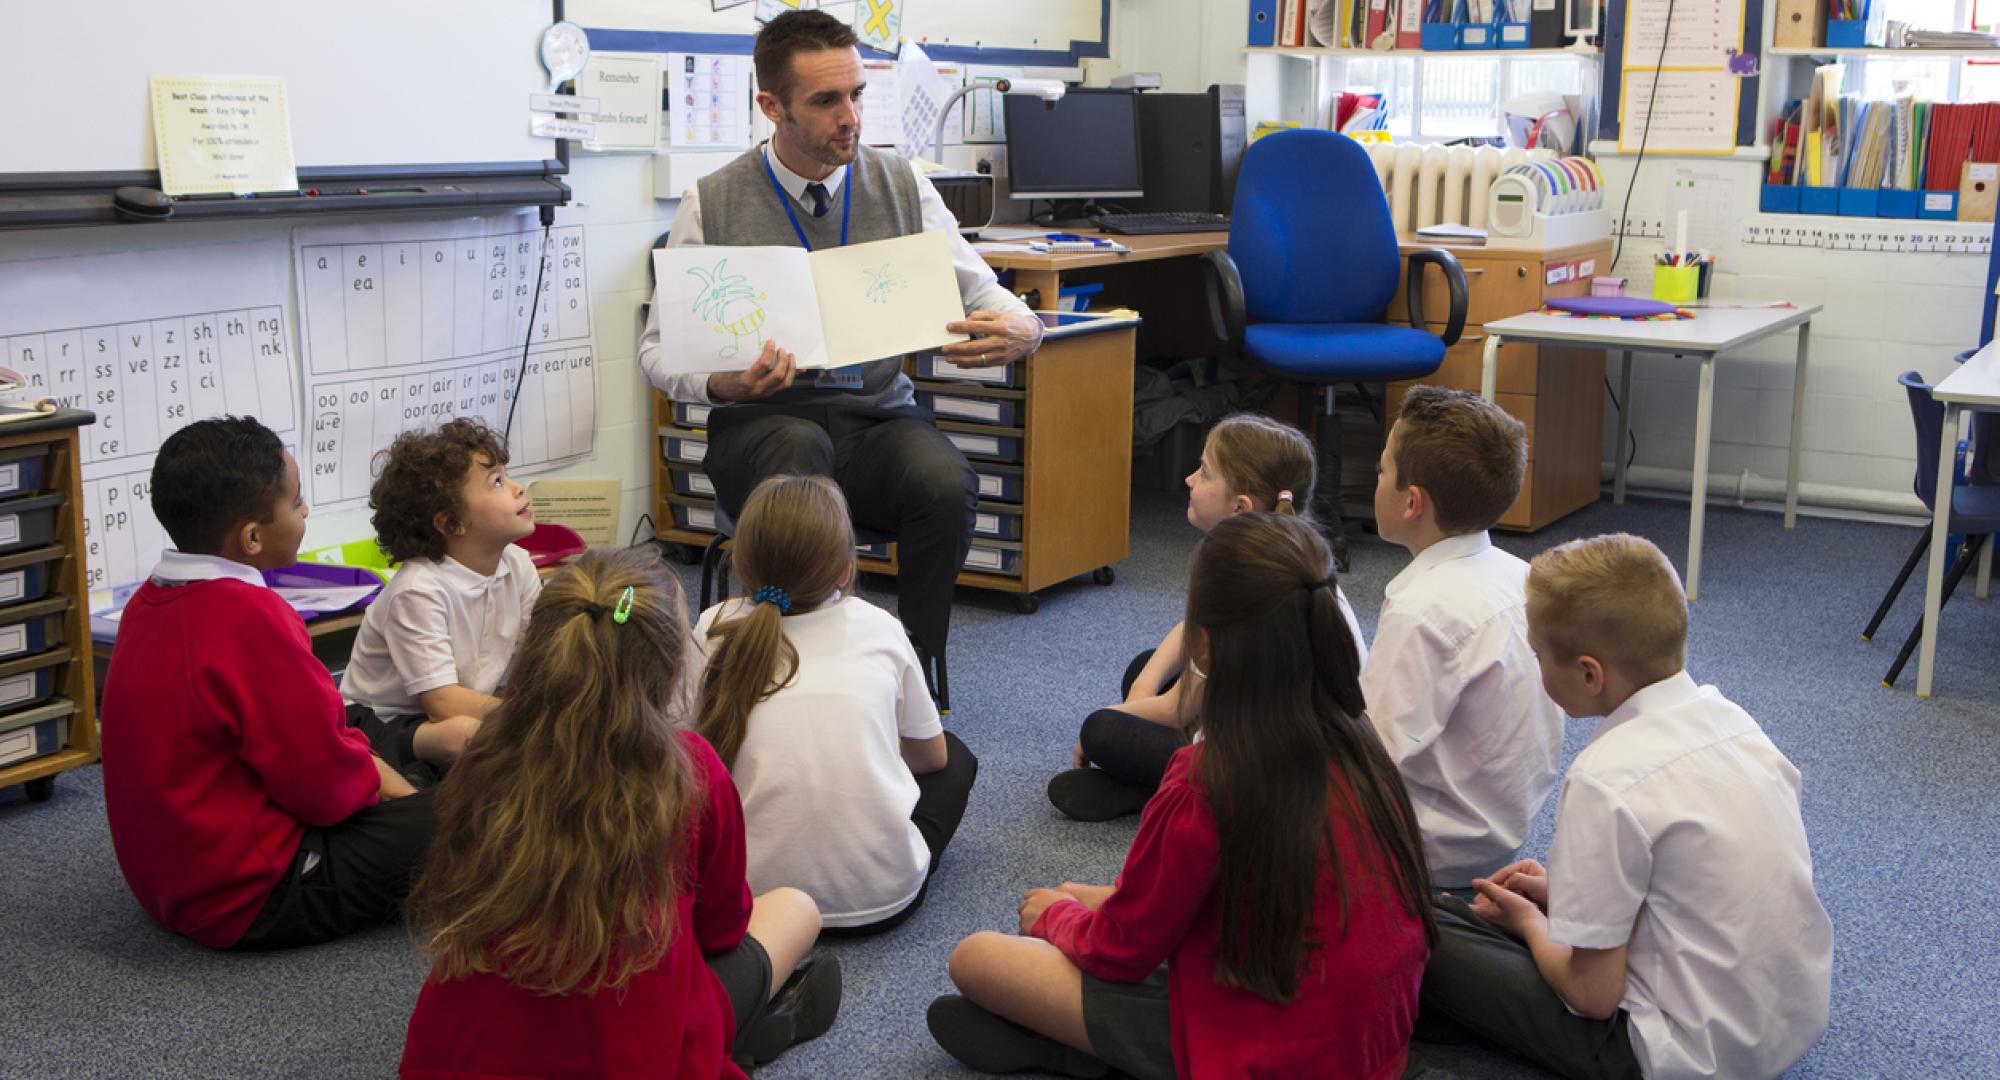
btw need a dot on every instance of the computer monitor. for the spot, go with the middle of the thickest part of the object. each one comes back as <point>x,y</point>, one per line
<point>1084,146</point>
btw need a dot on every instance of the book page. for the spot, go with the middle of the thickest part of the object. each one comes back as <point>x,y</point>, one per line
<point>719,305</point>
<point>888,297</point>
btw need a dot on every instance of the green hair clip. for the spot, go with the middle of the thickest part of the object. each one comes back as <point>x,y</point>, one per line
<point>624,608</point>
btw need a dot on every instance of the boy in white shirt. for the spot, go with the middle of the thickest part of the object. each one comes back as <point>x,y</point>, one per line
<point>435,646</point>
<point>1675,932</point>
<point>1451,684</point>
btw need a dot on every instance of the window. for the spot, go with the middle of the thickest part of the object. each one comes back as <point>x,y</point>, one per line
<point>1395,78</point>
<point>1442,96</point>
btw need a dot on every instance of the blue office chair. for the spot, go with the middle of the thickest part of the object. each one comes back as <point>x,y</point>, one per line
<point>1302,291</point>
<point>1975,515</point>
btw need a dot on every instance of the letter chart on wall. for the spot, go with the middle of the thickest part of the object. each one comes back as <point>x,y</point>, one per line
<point>407,326</point>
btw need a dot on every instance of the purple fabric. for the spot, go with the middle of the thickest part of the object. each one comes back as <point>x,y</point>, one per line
<point>307,575</point>
<point>1624,307</point>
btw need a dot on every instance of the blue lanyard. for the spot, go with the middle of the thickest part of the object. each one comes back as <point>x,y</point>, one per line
<point>784,200</point>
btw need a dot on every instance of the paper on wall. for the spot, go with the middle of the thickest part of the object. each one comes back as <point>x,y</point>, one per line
<point>708,100</point>
<point>920,97</point>
<point>628,105</point>
<point>219,134</point>
<point>830,308</point>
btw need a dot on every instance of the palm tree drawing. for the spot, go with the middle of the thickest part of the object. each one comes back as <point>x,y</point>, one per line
<point>723,301</point>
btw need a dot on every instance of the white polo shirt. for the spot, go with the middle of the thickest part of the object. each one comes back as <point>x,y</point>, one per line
<point>1679,834</point>
<point>826,795</point>
<point>1454,691</point>
<point>437,623</point>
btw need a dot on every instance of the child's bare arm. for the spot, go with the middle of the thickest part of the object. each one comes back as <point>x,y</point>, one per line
<point>455,700</point>
<point>1590,981</point>
<point>1166,661</point>
<point>925,755</point>
<point>393,784</point>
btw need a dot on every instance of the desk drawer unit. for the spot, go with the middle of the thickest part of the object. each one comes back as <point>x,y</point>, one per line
<point>692,482</point>
<point>683,446</point>
<point>935,366</point>
<point>984,443</point>
<point>37,732</point>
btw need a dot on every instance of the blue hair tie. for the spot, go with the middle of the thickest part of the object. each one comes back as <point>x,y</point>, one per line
<point>771,594</point>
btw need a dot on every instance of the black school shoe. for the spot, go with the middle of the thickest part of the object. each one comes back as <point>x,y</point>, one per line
<point>1094,795</point>
<point>803,1010</point>
<point>992,1044</point>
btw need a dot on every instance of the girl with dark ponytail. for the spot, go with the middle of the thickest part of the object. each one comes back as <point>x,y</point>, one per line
<point>817,703</point>
<point>1277,873</point>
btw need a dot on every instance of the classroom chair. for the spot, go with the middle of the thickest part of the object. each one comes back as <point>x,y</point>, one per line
<point>715,588</point>
<point>1975,514</point>
<point>1303,289</point>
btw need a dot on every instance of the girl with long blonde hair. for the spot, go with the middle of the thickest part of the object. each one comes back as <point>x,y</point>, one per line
<point>584,902</point>
<point>816,701</point>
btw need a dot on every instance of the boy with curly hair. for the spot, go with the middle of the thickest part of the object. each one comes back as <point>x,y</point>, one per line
<point>435,646</point>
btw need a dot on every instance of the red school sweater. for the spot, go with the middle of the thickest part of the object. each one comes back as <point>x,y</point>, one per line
<point>672,1020</point>
<point>223,739</point>
<point>1357,997</point>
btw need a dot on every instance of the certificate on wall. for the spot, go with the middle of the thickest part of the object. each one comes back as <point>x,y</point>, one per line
<point>222,134</point>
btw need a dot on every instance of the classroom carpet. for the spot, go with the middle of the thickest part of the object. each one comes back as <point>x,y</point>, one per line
<point>1900,804</point>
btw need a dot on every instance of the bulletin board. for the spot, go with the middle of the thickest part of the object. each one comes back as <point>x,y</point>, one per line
<point>1743,18</point>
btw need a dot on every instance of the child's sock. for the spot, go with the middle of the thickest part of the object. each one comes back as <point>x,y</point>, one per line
<point>1094,795</point>
<point>992,1044</point>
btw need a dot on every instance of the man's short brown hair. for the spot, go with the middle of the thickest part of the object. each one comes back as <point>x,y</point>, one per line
<point>792,33</point>
<point>1613,597</point>
<point>422,475</point>
<point>1462,450</point>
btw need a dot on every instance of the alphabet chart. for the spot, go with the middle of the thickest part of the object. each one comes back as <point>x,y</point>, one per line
<point>149,342</point>
<point>407,326</point>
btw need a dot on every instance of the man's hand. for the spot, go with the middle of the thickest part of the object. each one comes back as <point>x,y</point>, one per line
<point>997,338</point>
<point>1507,909</point>
<point>772,372</point>
<point>1036,902</point>
<point>1528,878</point>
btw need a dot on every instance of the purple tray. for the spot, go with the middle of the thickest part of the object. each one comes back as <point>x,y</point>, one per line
<point>1623,307</point>
<point>307,575</point>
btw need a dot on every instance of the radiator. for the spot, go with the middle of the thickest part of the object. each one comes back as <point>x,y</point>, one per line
<point>1431,185</point>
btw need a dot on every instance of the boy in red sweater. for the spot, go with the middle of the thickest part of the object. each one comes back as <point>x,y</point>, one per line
<point>246,814</point>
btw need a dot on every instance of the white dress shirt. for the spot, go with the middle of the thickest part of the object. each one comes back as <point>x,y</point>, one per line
<point>1679,835</point>
<point>439,623</point>
<point>826,794</point>
<point>1456,695</point>
<point>976,282</point>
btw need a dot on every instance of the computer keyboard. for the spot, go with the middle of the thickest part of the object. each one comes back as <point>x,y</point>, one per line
<point>1165,221</point>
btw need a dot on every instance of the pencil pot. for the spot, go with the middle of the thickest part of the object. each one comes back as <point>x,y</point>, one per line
<point>1676,284</point>
<point>1846,33</point>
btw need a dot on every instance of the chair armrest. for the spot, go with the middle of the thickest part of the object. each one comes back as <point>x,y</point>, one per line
<point>1454,278</point>
<point>1226,310</point>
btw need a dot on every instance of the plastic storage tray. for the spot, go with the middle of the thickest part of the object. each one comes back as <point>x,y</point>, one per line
<point>30,522</point>
<point>686,447</point>
<point>32,629</point>
<point>29,680</point>
<point>936,366</point>
<point>25,577</point>
<point>22,470</point>
<point>692,482</point>
<point>37,732</point>
<point>969,408</point>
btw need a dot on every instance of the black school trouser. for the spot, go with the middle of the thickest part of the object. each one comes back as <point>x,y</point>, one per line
<point>899,473</point>
<point>941,798</point>
<point>354,874</point>
<point>1482,984</point>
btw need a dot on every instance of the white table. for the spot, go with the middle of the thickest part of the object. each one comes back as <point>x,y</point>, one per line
<point>1711,332</point>
<point>1974,385</point>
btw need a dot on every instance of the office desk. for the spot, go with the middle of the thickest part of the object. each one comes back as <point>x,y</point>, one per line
<point>1976,385</point>
<point>1711,332</point>
<point>1044,273</point>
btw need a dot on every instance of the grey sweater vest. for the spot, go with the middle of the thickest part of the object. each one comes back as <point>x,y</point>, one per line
<point>741,208</point>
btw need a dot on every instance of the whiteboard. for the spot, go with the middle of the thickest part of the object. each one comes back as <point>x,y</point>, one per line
<point>387,84</point>
<point>1039,32</point>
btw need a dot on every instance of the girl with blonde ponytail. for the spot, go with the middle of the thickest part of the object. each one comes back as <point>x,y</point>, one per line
<point>817,703</point>
<point>1250,463</point>
<point>584,902</point>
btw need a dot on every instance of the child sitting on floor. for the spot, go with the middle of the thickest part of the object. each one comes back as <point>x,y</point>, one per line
<point>1451,683</point>
<point>1249,462</point>
<point>1675,931</point>
<point>817,703</point>
<point>1277,872</point>
<point>584,904</point>
<point>434,647</point>
<point>245,811</point>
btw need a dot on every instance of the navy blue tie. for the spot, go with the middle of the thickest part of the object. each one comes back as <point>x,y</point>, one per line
<point>817,192</point>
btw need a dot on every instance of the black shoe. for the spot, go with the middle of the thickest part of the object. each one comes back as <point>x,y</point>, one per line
<point>1093,795</point>
<point>994,1045</point>
<point>802,1011</point>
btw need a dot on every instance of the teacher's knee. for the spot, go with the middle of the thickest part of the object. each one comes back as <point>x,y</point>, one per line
<point>796,447</point>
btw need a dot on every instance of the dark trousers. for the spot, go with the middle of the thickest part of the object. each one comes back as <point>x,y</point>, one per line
<point>1130,748</point>
<point>1482,984</point>
<point>355,874</point>
<point>941,798</point>
<point>900,476</point>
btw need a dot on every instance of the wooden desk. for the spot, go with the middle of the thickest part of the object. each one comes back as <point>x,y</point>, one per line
<point>1711,332</point>
<point>1976,385</point>
<point>1043,273</point>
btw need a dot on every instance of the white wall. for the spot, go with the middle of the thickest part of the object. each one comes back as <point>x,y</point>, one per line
<point>1190,43</point>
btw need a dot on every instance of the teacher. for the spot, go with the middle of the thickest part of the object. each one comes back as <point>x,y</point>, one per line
<point>816,186</point>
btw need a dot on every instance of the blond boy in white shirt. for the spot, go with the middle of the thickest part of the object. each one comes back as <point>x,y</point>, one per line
<point>1675,931</point>
<point>434,648</point>
<point>1451,684</point>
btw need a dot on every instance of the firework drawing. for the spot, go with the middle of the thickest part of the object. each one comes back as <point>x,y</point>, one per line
<point>884,282</point>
